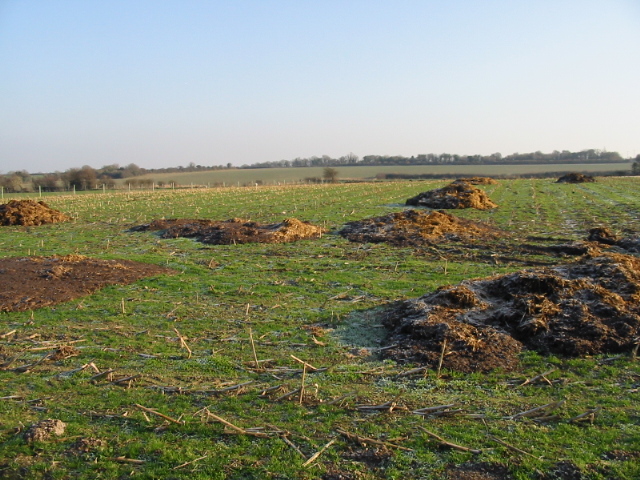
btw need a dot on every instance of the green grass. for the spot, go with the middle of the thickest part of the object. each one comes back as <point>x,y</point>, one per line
<point>315,300</point>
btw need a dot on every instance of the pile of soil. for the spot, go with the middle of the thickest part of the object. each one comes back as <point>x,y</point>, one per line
<point>234,231</point>
<point>576,178</point>
<point>29,213</point>
<point>604,236</point>
<point>588,307</point>
<point>27,283</point>
<point>477,181</point>
<point>45,429</point>
<point>415,228</point>
<point>454,195</point>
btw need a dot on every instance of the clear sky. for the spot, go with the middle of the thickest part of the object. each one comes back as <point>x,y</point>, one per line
<point>164,83</point>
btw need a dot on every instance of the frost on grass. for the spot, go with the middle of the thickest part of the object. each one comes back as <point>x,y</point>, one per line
<point>584,308</point>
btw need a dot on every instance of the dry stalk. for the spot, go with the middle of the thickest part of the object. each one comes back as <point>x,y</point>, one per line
<point>364,440</point>
<point>538,411</point>
<point>589,415</point>
<point>127,460</point>
<point>189,463</point>
<point>541,377</point>
<point>427,410</point>
<point>306,365</point>
<point>287,395</point>
<point>511,447</point>
<point>5,335</point>
<point>253,346</point>
<point>304,376</point>
<point>234,427</point>
<point>162,415</point>
<point>315,456</point>
<point>183,343</point>
<point>449,444</point>
<point>101,374</point>
<point>340,399</point>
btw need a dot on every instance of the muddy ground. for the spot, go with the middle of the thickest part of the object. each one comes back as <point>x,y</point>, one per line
<point>587,307</point>
<point>415,228</point>
<point>576,178</point>
<point>234,231</point>
<point>29,213</point>
<point>453,196</point>
<point>27,283</point>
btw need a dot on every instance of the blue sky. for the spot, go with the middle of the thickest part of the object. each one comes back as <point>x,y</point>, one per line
<point>164,83</point>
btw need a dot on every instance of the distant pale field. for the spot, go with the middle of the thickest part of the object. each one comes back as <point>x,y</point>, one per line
<point>296,175</point>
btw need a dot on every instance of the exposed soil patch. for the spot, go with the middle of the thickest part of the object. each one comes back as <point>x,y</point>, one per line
<point>27,283</point>
<point>453,196</point>
<point>478,181</point>
<point>29,213</point>
<point>43,430</point>
<point>588,307</point>
<point>478,471</point>
<point>235,230</point>
<point>414,228</point>
<point>576,178</point>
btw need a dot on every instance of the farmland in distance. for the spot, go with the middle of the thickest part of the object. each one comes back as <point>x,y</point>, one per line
<point>275,176</point>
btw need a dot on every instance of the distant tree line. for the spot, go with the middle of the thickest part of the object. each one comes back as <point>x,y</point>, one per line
<point>565,156</point>
<point>88,178</point>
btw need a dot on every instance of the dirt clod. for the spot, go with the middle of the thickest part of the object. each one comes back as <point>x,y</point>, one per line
<point>414,228</point>
<point>576,178</point>
<point>43,430</point>
<point>29,213</point>
<point>588,307</point>
<point>453,196</point>
<point>234,231</point>
<point>27,283</point>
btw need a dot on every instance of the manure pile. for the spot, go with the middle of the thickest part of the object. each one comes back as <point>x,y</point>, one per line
<point>588,307</point>
<point>453,196</point>
<point>234,231</point>
<point>29,213</point>
<point>477,181</point>
<point>35,282</point>
<point>576,178</point>
<point>414,228</point>
<point>604,236</point>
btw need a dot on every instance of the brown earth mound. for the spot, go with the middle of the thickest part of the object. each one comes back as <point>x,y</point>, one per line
<point>605,236</point>
<point>414,228</point>
<point>455,195</point>
<point>576,178</point>
<point>27,283</point>
<point>589,307</point>
<point>477,181</point>
<point>233,231</point>
<point>29,213</point>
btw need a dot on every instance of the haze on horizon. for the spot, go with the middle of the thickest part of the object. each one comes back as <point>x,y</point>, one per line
<point>163,84</point>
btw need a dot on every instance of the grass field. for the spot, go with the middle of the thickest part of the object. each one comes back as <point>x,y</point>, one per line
<point>275,176</point>
<point>225,340</point>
